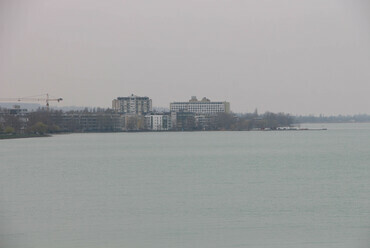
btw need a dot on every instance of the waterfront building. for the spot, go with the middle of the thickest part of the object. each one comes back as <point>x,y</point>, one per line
<point>16,110</point>
<point>197,113</point>
<point>91,122</point>
<point>12,115</point>
<point>134,122</point>
<point>183,121</point>
<point>158,122</point>
<point>204,121</point>
<point>204,106</point>
<point>133,104</point>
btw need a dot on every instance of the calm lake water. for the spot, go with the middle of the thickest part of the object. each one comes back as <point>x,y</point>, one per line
<point>188,189</point>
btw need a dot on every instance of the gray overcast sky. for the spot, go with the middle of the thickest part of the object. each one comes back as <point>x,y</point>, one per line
<point>295,56</point>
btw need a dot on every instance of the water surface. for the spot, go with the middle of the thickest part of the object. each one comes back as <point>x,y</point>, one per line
<point>188,189</point>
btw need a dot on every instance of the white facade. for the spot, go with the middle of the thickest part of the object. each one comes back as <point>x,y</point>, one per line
<point>158,122</point>
<point>205,106</point>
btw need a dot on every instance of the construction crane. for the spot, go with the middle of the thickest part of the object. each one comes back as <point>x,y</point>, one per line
<point>40,98</point>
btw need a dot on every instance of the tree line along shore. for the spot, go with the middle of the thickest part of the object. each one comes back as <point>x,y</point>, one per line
<point>45,122</point>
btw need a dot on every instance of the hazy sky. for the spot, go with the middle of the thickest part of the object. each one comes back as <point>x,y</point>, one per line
<point>295,56</point>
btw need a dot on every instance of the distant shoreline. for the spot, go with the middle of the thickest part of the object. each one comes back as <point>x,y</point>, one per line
<point>22,136</point>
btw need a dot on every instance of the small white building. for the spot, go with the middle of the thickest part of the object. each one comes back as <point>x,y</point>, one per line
<point>158,122</point>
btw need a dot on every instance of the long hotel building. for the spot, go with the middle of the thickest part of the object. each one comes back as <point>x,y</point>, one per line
<point>204,106</point>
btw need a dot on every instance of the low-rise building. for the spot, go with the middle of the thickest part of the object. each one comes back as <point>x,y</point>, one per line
<point>92,122</point>
<point>183,121</point>
<point>158,122</point>
<point>133,122</point>
<point>14,117</point>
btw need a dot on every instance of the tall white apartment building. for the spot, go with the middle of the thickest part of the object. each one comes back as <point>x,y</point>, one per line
<point>132,104</point>
<point>205,106</point>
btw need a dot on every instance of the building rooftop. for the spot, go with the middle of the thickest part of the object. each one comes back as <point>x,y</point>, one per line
<point>204,100</point>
